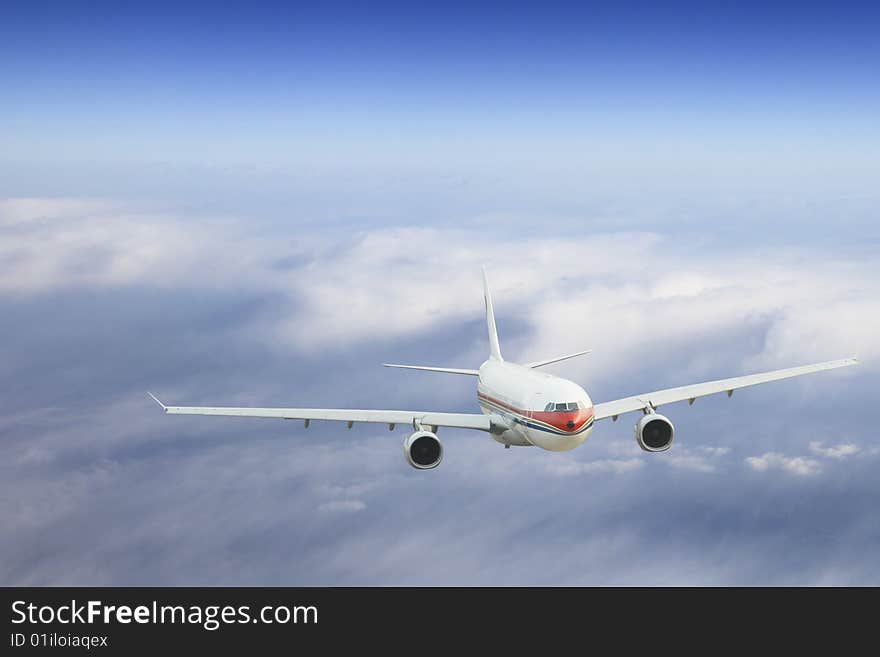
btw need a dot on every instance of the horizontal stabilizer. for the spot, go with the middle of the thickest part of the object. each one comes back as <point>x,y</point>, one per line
<point>541,363</point>
<point>446,370</point>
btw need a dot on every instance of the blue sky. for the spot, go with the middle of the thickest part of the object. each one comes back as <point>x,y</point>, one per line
<point>258,204</point>
<point>136,84</point>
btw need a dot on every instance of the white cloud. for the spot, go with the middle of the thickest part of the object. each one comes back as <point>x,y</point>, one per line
<point>619,447</point>
<point>49,244</point>
<point>342,506</point>
<point>840,451</point>
<point>684,284</point>
<point>348,491</point>
<point>797,465</point>
<point>700,459</point>
<point>697,459</point>
<point>37,210</point>
<point>401,281</point>
<point>570,467</point>
<point>690,462</point>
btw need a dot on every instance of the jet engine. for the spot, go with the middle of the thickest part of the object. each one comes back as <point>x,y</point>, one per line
<point>654,432</point>
<point>423,450</point>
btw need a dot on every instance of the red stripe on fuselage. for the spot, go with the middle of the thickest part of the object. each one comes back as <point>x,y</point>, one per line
<point>556,419</point>
<point>564,420</point>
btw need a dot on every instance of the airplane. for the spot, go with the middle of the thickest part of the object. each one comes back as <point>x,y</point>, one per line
<point>520,405</point>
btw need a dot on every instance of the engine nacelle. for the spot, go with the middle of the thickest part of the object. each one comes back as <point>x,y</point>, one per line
<point>654,433</point>
<point>423,450</point>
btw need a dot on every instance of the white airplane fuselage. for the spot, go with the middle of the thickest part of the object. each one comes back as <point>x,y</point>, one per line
<point>542,410</point>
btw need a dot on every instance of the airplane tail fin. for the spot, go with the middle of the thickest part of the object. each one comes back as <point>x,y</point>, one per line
<point>494,348</point>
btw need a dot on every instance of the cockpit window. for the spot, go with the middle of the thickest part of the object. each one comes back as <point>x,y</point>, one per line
<point>564,406</point>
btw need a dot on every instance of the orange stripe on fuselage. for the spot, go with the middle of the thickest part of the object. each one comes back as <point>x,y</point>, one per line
<point>560,419</point>
<point>557,419</point>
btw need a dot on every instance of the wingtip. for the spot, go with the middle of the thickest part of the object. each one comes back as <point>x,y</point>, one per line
<point>156,399</point>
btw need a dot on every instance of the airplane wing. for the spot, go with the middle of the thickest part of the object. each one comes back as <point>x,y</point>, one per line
<point>639,402</point>
<point>391,418</point>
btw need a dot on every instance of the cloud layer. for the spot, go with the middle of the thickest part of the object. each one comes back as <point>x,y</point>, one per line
<point>102,300</point>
